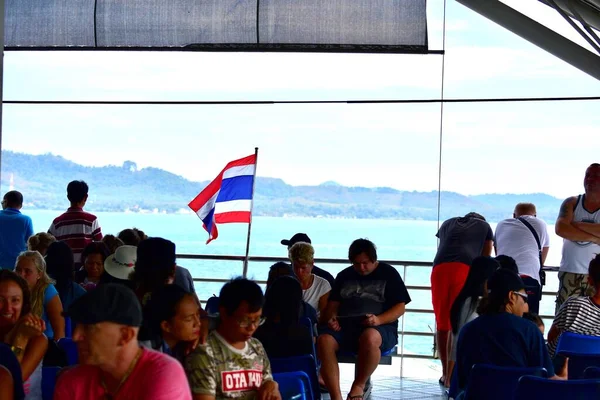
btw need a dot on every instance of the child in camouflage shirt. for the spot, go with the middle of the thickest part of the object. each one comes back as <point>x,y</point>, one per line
<point>232,364</point>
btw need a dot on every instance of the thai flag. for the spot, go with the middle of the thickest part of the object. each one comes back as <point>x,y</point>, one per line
<point>228,198</point>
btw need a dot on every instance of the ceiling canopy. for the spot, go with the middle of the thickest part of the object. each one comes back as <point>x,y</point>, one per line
<point>398,26</point>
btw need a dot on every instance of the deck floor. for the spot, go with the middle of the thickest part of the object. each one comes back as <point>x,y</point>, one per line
<point>388,388</point>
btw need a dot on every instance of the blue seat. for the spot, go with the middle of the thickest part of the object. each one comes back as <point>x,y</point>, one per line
<point>68,327</point>
<point>578,363</point>
<point>574,343</point>
<point>591,373</point>
<point>533,387</point>
<point>292,385</point>
<point>583,351</point>
<point>491,382</point>
<point>352,358</point>
<point>305,321</point>
<point>70,349</point>
<point>49,381</point>
<point>305,364</point>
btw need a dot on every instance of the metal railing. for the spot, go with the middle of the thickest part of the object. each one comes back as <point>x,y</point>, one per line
<point>320,261</point>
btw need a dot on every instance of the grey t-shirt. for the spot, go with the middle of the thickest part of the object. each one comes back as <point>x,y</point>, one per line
<point>462,239</point>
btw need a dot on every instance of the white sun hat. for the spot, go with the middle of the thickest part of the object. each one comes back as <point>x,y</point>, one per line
<point>122,263</point>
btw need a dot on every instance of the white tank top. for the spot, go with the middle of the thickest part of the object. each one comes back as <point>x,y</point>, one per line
<point>576,256</point>
<point>33,385</point>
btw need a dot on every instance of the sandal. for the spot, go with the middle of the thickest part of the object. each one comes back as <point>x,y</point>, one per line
<point>356,397</point>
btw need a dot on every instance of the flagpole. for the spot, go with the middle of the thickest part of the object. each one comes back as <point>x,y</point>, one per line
<point>245,271</point>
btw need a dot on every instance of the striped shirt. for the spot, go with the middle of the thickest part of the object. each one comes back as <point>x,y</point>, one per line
<point>577,315</point>
<point>77,228</point>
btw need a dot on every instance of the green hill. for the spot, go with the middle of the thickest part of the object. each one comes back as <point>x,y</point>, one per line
<point>42,180</point>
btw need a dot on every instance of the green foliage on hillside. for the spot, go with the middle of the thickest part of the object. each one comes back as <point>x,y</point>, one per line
<point>43,179</point>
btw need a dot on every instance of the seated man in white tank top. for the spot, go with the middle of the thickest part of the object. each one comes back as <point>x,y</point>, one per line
<point>315,290</point>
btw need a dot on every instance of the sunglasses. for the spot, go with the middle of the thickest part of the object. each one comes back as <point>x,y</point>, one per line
<point>523,296</point>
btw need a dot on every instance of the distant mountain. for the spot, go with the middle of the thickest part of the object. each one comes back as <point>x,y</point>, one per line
<point>330,183</point>
<point>42,180</point>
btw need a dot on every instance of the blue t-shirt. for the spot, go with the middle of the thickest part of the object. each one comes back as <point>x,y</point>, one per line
<point>15,229</point>
<point>500,339</point>
<point>49,294</point>
<point>10,362</point>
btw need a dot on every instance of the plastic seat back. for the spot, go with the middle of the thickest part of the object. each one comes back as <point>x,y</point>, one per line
<point>68,327</point>
<point>292,385</point>
<point>70,349</point>
<point>491,382</point>
<point>591,373</point>
<point>578,363</point>
<point>574,343</point>
<point>212,305</point>
<point>305,364</point>
<point>305,321</point>
<point>49,375</point>
<point>533,387</point>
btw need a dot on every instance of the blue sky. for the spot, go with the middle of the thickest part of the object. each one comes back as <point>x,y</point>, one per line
<point>490,147</point>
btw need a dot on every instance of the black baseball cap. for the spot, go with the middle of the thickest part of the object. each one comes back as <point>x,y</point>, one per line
<point>298,237</point>
<point>111,302</point>
<point>503,281</point>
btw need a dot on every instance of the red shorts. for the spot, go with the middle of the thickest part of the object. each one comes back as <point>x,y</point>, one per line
<point>447,280</point>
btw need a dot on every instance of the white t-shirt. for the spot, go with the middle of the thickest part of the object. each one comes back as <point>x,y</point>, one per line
<point>318,288</point>
<point>513,238</point>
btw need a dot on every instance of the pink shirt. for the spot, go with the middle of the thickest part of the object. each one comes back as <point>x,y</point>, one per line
<point>156,376</point>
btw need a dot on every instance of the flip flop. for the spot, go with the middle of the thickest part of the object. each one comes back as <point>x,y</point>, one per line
<point>356,397</point>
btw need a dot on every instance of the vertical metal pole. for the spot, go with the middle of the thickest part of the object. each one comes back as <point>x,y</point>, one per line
<point>1,76</point>
<point>441,147</point>
<point>245,271</point>
<point>402,330</point>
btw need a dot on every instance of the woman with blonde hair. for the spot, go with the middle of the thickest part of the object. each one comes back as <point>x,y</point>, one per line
<point>45,302</point>
<point>40,242</point>
<point>315,290</point>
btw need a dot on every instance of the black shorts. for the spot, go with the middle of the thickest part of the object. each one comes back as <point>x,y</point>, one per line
<point>347,338</point>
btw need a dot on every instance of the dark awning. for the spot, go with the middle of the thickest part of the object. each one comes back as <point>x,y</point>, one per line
<point>396,26</point>
<point>586,13</point>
